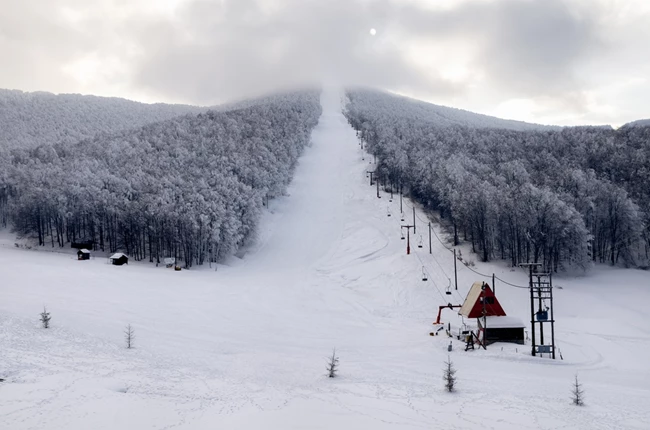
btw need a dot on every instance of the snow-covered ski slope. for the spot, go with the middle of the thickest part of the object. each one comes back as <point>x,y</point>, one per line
<point>245,347</point>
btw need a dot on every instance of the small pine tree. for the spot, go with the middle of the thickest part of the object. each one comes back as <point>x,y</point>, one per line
<point>333,365</point>
<point>449,375</point>
<point>577,393</point>
<point>45,318</point>
<point>129,336</point>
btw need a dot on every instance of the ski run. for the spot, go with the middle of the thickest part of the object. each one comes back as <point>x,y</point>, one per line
<point>246,346</point>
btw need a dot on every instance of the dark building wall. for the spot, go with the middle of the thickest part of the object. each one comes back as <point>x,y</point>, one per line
<point>120,261</point>
<point>513,335</point>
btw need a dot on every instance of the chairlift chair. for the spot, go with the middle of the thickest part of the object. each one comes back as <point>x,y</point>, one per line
<point>420,242</point>
<point>403,237</point>
<point>388,211</point>
<point>424,274</point>
<point>402,216</point>
<point>448,290</point>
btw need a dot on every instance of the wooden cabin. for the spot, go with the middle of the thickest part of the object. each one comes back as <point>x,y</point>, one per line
<point>83,254</point>
<point>118,259</point>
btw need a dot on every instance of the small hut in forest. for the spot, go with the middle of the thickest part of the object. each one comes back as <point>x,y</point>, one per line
<point>83,254</point>
<point>119,259</point>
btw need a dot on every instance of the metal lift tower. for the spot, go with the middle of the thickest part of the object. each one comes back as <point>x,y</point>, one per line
<point>541,297</point>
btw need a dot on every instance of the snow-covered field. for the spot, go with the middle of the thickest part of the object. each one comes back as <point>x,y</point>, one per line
<point>245,347</point>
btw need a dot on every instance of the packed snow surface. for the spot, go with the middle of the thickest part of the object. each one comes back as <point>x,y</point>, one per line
<point>245,347</point>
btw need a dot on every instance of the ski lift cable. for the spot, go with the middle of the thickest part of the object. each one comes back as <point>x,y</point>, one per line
<point>432,229</point>
<point>440,265</point>
<point>510,284</point>
<point>496,277</point>
<point>434,282</point>
<point>451,250</point>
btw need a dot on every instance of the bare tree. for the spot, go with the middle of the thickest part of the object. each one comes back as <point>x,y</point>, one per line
<point>129,336</point>
<point>45,318</point>
<point>449,375</point>
<point>577,393</point>
<point>333,365</point>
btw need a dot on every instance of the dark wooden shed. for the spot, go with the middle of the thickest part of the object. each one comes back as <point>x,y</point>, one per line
<point>83,254</point>
<point>119,259</point>
<point>502,329</point>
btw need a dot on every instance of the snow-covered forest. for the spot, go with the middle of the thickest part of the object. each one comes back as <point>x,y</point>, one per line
<point>28,119</point>
<point>563,197</point>
<point>191,187</point>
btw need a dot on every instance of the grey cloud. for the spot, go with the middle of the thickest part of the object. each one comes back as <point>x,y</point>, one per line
<point>219,50</point>
<point>523,45</point>
<point>240,49</point>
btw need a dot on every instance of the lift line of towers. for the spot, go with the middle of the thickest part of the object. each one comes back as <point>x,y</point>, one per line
<point>541,289</point>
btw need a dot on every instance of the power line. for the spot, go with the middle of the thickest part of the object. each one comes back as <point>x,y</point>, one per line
<point>508,283</point>
<point>434,282</point>
<point>412,206</point>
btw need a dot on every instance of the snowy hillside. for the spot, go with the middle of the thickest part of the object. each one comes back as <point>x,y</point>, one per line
<point>31,119</point>
<point>638,123</point>
<point>245,347</point>
<point>191,187</point>
<point>566,197</point>
<point>440,116</point>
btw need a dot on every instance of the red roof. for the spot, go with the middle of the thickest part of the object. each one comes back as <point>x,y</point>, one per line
<point>474,306</point>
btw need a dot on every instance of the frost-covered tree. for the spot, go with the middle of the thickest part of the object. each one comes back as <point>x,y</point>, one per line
<point>577,393</point>
<point>191,187</point>
<point>332,365</point>
<point>45,318</point>
<point>516,191</point>
<point>449,375</point>
<point>129,336</point>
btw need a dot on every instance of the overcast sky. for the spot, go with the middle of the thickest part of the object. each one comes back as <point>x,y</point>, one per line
<point>548,61</point>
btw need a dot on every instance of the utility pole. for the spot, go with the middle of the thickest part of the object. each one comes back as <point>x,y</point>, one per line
<point>430,249</point>
<point>377,181</point>
<point>532,307</point>
<point>455,271</point>
<point>484,317</point>
<point>400,198</point>
<point>550,283</point>
<point>408,235</point>
<point>414,220</point>
<point>370,173</point>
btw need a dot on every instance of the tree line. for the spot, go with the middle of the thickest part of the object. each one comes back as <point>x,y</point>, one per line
<point>562,197</point>
<point>190,188</point>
